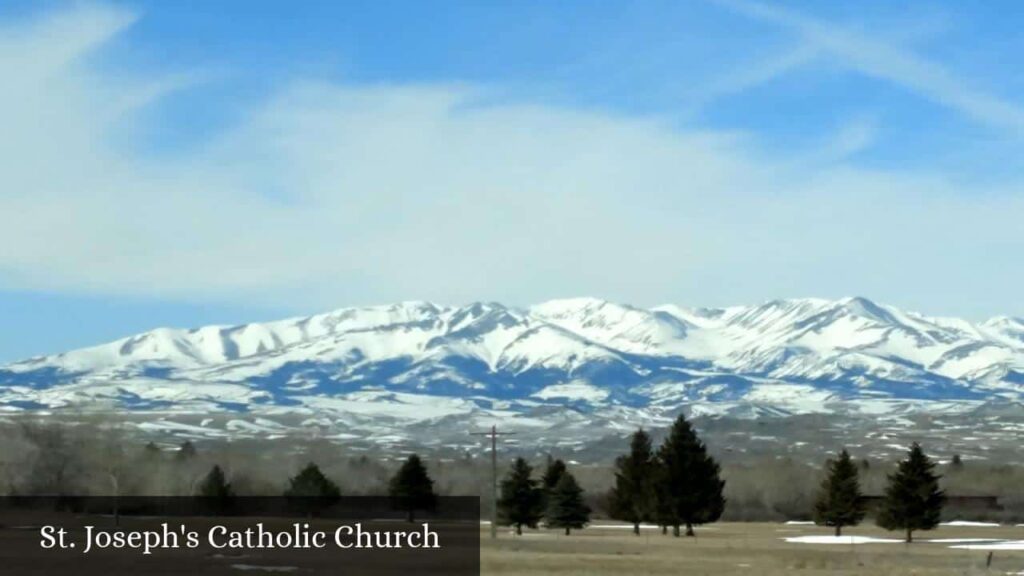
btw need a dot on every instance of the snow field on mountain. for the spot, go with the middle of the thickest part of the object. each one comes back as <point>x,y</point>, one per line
<point>785,356</point>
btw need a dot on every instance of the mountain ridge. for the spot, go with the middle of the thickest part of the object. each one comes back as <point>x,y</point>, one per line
<point>584,354</point>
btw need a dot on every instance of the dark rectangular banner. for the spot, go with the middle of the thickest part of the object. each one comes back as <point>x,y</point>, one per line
<point>85,536</point>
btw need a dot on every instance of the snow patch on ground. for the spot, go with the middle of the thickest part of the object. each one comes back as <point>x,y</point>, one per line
<point>623,527</point>
<point>963,540</point>
<point>840,540</point>
<point>968,523</point>
<point>1006,545</point>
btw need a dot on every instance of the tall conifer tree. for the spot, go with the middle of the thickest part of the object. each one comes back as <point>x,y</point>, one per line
<point>310,482</point>
<point>913,500</point>
<point>411,488</point>
<point>520,502</point>
<point>633,498</point>
<point>552,474</point>
<point>310,491</point>
<point>215,485</point>
<point>566,508</point>
<point>689,486</point>
<point>216,494</point>
<point>840,502</point>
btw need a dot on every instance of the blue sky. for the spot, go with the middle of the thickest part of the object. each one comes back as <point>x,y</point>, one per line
<point>184,163</point>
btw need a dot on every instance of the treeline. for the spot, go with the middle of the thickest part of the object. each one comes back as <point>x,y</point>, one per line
<point>778,489</point>
<point>411,488</point>
<point>680,484</point>
<point>675,485</point>
<point>90,459</point>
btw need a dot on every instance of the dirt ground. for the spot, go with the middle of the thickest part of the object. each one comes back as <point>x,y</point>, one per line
<point>752,549</point>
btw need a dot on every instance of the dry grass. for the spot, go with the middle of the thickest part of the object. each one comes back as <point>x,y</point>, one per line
<point>752,549</point>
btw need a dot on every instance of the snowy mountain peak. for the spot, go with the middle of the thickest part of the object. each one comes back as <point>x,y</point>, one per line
<point>795,354</point>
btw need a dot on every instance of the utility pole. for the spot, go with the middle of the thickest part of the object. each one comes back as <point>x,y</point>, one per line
<point>493,433</point>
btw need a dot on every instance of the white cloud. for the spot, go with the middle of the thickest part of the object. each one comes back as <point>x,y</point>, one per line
<point>330,195</point>
<point>883,60</point>
<point>757,73</point>
<point>854,135</point>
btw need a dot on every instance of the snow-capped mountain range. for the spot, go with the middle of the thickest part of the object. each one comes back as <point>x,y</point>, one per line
<point>576,358</point>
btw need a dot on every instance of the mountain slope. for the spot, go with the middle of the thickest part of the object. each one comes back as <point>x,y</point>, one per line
<point>416,361</point>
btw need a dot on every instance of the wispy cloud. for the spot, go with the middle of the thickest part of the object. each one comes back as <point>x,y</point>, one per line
<point>854,135</point>
<point>759,72</point>
<point>389,192</point>
<point>880,59</point>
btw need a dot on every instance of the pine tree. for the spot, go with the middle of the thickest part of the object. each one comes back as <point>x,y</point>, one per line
<point>215,493</point>
<point>689,487</point>
<point>411,488</point>
<point>310,482</point>
<point>566,508</point>
<point>957,463</point>
<point>215,485</point>
<point>310,491</point>
<point>552,474</point>
<point>520,501</point>
<point>633,497</point>
<point>840,502</point>
<point>913,500</point>
<point>664,510</point>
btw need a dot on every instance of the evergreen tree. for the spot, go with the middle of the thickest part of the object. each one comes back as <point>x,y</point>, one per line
<point>310,491</point>
<point>215,493</point>
<point>957,463</point>
<point>633,497</point>
<point>411,488</point>
<point>310,482</point>
<point>913,500</point>
<point>215,485</point>
<point>552,474</point>
<point>566,508</point>
<point>520,501</point>
<point>664,511</point>
<point>689,486</point>
<point>840,502</point>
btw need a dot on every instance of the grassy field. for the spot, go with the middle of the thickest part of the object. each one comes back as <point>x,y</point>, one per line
<point>22,555</point>
<point>723,549</point>
<point>743,548</point>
